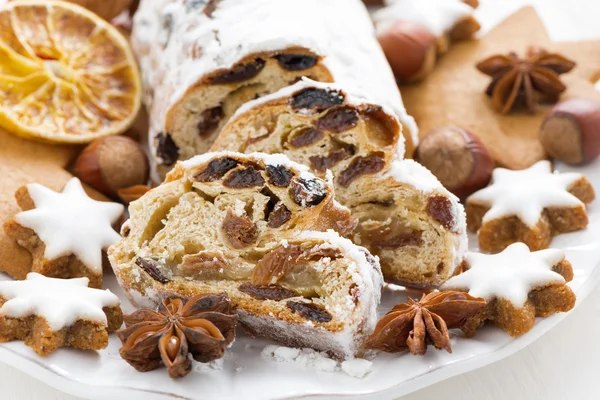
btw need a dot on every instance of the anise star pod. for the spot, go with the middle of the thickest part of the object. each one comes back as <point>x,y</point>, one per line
<point>525,81</point>
<point>201,327</point>
<point>415,324</point>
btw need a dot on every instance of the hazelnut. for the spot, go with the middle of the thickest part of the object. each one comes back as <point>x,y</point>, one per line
<point>571,131</point>
<point>410,49</point>
<point>457,158</point>
<point>112,163</point>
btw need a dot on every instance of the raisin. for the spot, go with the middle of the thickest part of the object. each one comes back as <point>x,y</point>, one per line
<point>210,8</point>
<point>311,311</point>
<point>296,62</point>
<point>240,231</point>
<point>279,176</point>
<point>210,121</point>
<point>244,178</point>
<point>152,268</point>
<point>322,163</point>
<point>166,149</point>
<point>317,253</point>
<point>316,99</point>
<point>216,169</point>
<point>440,208</point>
<point>203,263</point>
<point>279,216</point>
<point>267,292</point>
<point>354,292</point>
<point>361,166</point>
<point>338,120</point>
<point>275,264</point>
<point>239,73</point>
<point>305,137</point>
<point>307,193</point>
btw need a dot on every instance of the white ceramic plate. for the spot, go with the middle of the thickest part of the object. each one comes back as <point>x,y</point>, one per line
<point>244,374</point>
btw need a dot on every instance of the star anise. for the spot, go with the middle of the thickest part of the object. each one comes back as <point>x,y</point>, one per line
<point>415,324</point>
<point>202,327</point>
<point>525,81</point>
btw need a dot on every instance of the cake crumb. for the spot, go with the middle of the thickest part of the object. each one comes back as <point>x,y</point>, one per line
<point>357,367</point>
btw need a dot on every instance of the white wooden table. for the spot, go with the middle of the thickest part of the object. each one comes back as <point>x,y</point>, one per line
<point>563,364</point>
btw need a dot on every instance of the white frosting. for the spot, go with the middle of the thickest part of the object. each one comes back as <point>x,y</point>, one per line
<point>357,367</point>
<point>339,30</point>
<point>437,16</point>
<point>509,275</point>
<point>526,193</point>
<point>61,302</point>
<point>72,223</point>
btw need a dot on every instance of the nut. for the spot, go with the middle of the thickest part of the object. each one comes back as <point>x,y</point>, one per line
<point>410,49</point>
<point>112,163</point>
<point>457,158</point>
<point>571,131</point>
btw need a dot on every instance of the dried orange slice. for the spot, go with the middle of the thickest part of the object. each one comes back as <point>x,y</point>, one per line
<point>66,75</point>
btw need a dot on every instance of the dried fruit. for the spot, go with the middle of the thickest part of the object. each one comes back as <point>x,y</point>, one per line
<point>391,236</point>
<point>415,324</point>
<point>317,100</point>
<point>440,208</point>
<point>279,176</point>
<point>322,163</point>
<point>244,178</point>
<point>279,216</point>
<point>201,327</point>
<point>210,121</point>
<point>296,62</point>
<point>267,292</point>
<point>203,265</point>
<point>305,137</point>
<point>152,268</point>
<point>166,149</point>
<point>338,120</point>
<point>307,193</point>
<point>239,73</point>
<point>51,88</point>
<point>362,165</point>
<point>275,264</point>
<point>517,81</point>
<point>312,311</point>
<point>240,231</point>
<point>216,169</point>
<point>112,163</point>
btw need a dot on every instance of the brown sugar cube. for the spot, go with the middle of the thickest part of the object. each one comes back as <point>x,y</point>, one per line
<point>529,206</point>
<point>535,286</point>
<point>49,313</point>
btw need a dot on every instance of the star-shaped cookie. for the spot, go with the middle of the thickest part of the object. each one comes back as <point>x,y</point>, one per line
<point>528,206</point>
<point>454,93</point>
<point>517,284</point>
<point>48,313</point>
<point>65,232</point>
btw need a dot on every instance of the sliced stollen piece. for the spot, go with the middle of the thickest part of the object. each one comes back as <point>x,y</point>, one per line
<point>529,206</point>
<point>320,125</point>
<point>201,61</point>
<point>406,217</point>
<point>301,288</point>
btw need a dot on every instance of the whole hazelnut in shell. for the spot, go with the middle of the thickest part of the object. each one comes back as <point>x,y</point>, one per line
<point>112,163</point>
<point>457,158</point>
<point>410,49</point>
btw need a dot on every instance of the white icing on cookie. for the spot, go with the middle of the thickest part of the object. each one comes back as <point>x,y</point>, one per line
<point>526,193</point>
<point>72,223</point>
<point>167,34</point>
<point>61,302</point>
<point>437,16</point>
<point>509,275</point>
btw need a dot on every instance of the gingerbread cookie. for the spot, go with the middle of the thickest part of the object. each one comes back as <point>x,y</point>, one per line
<point>513,139</point>
<point>528,206</point>
<point>518,286</point>
<point>65,232</point>
<point>48,313</point>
